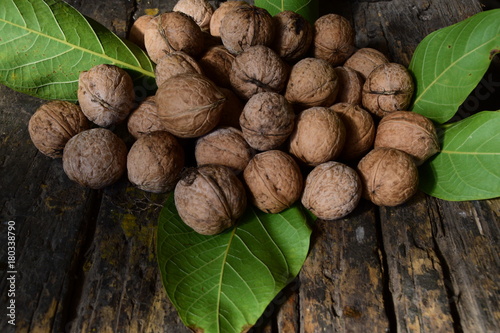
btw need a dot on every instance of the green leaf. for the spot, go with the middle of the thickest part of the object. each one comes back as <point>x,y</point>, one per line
<point>307,8</point>
<point>468,166</point>
<point>449,63</point>
<point>45,44</point>
<point>223,283</point>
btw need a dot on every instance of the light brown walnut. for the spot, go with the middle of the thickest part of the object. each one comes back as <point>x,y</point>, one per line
<point>144,119</point>
<point>200,10</point>
<point>217,63</point>
<point>350,84</point>
<point>333,39</point>
<point>173,64</point>
<point>365,60</point>
<point>136,33</point>
<point>219,13</point>
<point>293,35</point>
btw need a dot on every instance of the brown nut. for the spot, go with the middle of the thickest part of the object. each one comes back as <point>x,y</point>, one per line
<point>333,39</point>
<point>216,64</point>
<point>365,60</point>
<point>136,33</point>
<point>332,190</point>
<point>293,35</point>
<point>224,146</point>
<point>231,112</point>
<point>318,137</point>
<point>173,64</point>
<point>219,14</point>
<point>106,94</point>
<point>274,180</point>
<point>410,132</point>
<point>360,130</point>
<point>388,88</point>
<point>144,119</point>
<point>350,84</point>
<point>245,26</point>
<point>95,158</point>
<point>389,176</point>
<point>172,31</point>
<point>189,105</point>
<point>53,124</point>
<point>258,69</point>
<point>210,199</point>
<point>267,120</point>
<point>200,10</point>
<point>312,82</point>
<point>155,161</point>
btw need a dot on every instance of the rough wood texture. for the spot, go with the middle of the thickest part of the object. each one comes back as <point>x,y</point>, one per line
<point>86,259</point>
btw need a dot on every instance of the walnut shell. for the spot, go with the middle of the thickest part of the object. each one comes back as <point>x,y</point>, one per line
<point>293,35</point>
<point>274,180</point>
<point>136,33</point>
<point>360,130</point>
<point>258,69</point>
<point>245,26</point>
<point>144,119</point>
<point>210,199</point>
<point>389,176</point>
<point>365,60</point>
<point>267,120</point>
<point>410,132</point>
<point>106,94</point>
<point>53,124</point>
<point>155,161</point>
<point>388,88</point>
<point>318,137</point>
<point>200,10</point>
<point>216,64</point>
<point>312,82</point>
<point>332,190</point>
<point>173,64</point>
<point>231,112</point>
<point>333,39</point>
<point>350,84</point>
<point>224,146</point>
<point>189,105</point>
<point>219,13</point>
<point>95,158</point>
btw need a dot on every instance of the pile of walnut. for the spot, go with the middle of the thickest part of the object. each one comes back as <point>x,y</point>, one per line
<point>280,110</point>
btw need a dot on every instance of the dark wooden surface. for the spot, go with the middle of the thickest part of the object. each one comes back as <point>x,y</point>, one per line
<point>86,260</point>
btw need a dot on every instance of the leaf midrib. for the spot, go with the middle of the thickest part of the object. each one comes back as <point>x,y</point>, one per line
<point>453,152</point>
<point>219,292</point>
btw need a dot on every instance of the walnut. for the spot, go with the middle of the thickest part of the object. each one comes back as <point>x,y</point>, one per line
<point>95,158</point>
<point>258,69</point>
<point>389,176</point>
<point>312,82</point>
<point>144,119</point>
<point>216,64</point>
<point>219,13</point>
<point>318,137</point>
<point>333,39</point>
<point>332,190</point>
<point>365,60</point>
<point>231,112</point>
<point>136,33</point>
<point>172,31</point>
<point>210,199</point>
<point>189,105</point>
<point>246,26</point>
<point>200,10</point>
<point>106,94</point>
<point>274,180</point>
<point>388,88</point>
<point>360,130</point>
<point>350,84</point>
<point>410,132</point>
<point>224,146</point>
<point>53,124</point>
<point>267,120</point>
<point>293,35</point>
<point>155,161</point>
<point>173,64</point>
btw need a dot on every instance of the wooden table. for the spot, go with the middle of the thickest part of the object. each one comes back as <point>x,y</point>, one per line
<point>86,259</point>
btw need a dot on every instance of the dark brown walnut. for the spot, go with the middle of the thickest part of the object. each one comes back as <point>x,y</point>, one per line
<point>219,13</point>
<point>360,130</point>
<point>312,82</point>
<point>200,10</point>
<point>274,180</point>
<point>95,158</point>
<point>231,112</point>
<point>350,84</point>
<point>173,64</point>
<point>333,39</point>
<point>144,119</point>
<point>293,35</point>
<point>173,31</point>
<point>389,176</point>
<point>365,60</point>
<point>106,94</point>
<point>224,146</point>
<point>189,105</point>
<point>136,33</point>
<point>53,124</point>
<point>155,161</point>
<point>210,199</point>
<point>332,190</point>
<point>258,69</point>
<point>216,64</point>
<point>410,132</point>
<point>318,137</point>
<point>267,121</point>
<point>388,88</point>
